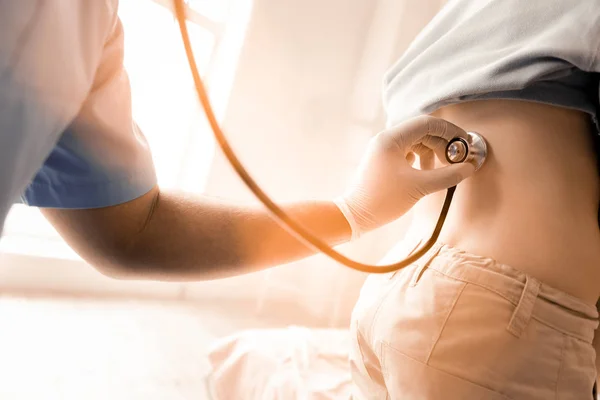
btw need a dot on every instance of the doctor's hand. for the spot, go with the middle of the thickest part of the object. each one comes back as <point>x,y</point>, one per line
<point>386,186</point>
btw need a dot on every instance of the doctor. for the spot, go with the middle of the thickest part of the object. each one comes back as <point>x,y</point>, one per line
<point>68,145</point>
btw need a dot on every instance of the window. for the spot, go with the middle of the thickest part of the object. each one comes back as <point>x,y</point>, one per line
<point>165,103</point>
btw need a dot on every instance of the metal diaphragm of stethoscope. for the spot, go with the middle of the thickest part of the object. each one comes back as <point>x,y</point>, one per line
<point>472,149</point>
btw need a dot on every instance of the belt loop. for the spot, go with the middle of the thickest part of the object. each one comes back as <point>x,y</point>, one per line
<point>524,309</point>
<point>424,262</point>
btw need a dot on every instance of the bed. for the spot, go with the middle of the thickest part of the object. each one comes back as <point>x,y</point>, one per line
<point>278,364</point>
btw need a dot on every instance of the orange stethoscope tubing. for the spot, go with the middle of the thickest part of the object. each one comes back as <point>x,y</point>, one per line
<point>293,227</point>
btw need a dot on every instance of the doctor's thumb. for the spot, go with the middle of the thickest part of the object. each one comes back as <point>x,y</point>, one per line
<point>446,177</point>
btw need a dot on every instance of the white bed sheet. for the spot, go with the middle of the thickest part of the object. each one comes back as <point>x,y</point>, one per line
<point>281,364</point>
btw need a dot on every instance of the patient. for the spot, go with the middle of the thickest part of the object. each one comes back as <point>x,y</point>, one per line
<point>503,307</point>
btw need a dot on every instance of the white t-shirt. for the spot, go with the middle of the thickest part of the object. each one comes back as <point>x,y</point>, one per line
<point>67,137</point>
<point>539,50</point>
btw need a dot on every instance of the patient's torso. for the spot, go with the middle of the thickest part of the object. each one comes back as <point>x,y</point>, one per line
<point>534,204</point>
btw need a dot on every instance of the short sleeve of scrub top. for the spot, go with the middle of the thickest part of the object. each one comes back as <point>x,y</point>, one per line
<point>101,158</point>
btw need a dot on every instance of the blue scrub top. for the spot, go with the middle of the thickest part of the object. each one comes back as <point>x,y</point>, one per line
<point>67,137</point>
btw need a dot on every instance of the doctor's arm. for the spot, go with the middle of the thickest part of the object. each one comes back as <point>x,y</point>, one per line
<point>170,237</point>
<point>166,236</point>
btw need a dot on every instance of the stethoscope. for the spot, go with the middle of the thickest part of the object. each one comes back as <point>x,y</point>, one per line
<point>473,149</point>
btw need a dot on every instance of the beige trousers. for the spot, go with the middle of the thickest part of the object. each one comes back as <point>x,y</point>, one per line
<point>457,326</point>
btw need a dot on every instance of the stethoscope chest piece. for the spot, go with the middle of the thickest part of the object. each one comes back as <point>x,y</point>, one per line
<point>473,150</point>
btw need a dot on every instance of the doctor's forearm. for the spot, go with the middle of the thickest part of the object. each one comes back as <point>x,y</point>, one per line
<point>197,239</point>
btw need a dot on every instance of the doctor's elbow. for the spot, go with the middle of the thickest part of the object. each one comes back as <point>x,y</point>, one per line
<point>118,259</point>
<point>149,266</point>
<point>116,266</point>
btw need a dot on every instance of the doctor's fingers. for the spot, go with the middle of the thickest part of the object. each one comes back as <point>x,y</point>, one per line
<point>437,145</point>
<point>416,130</point>
<point>425,154</point>
<point>430,148</point>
